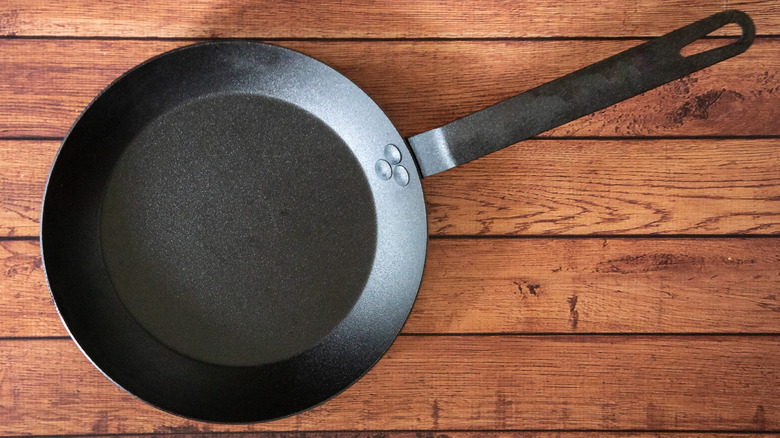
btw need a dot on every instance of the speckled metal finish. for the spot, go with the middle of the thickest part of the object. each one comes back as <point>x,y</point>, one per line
<point>216,237</point>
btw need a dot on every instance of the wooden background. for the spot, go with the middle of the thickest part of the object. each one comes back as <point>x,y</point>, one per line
<point>618,274</point>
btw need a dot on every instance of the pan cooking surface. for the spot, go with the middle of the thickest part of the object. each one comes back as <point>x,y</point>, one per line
<point>238,229</point>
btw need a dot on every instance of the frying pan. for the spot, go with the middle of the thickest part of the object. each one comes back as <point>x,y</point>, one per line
<point>235,232</point>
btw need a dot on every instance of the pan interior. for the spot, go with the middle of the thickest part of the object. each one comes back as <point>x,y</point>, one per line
<point>238,229</point>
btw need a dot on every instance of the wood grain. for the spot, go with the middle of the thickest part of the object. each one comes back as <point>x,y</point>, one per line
<point>612,187</point>
<point>24,167</point>
<point>530,286</point>
<point>422,84</point>
<point>509,382</point>
<point>599,285</point>
<point>445,434</point>
<point>26,307</point>
<point>364,19</point>
<point>574,187</point>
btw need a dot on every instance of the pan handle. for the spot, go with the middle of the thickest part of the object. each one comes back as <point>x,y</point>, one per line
<point>570,97</point>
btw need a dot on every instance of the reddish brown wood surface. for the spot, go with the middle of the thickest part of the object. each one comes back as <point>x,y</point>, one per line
<point>24,166</point>
<point>617,334</point>
<point>434,382</point>
<point>531,286</point>
<point>181,433</point>
<point>420,84</point>
<point>612,187</point>
<point>365,19</point>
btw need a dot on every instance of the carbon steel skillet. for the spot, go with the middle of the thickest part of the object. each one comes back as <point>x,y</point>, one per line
<point>235,232</point>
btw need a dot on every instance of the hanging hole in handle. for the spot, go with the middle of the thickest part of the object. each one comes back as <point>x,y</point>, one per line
<point>721,37</point>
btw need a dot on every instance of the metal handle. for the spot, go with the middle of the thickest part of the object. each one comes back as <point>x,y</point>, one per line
<point>570,97</point>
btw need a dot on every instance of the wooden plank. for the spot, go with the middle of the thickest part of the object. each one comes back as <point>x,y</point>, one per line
<point>420,84</point>
<point>531,286</point>
<point>364,19</point>
<point>26,309</point>
<point>594,285</point>
<point>539,187</point>
<point>496,382</point>
<point>24,167</point>
<point>612,187</point>
<point>437,434</point>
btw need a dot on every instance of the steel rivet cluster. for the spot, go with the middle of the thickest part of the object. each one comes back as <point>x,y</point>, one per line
<point>390,167</point>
